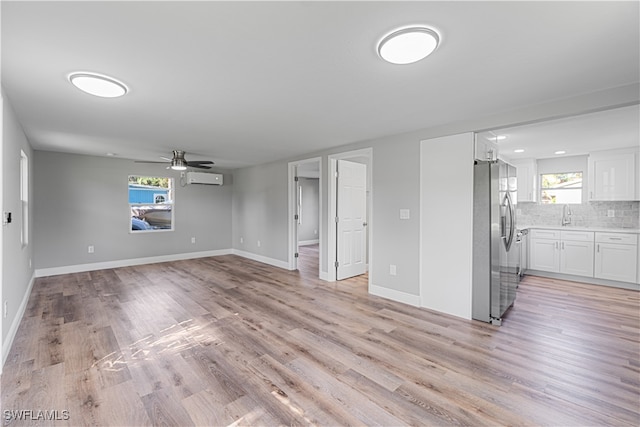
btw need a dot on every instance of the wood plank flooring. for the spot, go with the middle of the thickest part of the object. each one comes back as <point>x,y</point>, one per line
<point>228,341</point>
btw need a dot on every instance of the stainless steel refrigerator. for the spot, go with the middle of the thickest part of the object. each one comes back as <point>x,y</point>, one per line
<point>495,251</point>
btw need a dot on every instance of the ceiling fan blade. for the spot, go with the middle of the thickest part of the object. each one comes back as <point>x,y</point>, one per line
<point>165,158</point>
<point>199,162</point>
<point>145,161</point>
<point>199,166</point>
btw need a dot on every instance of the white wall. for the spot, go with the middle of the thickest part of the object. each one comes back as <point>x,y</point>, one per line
<point>446,207</point>
<point>17,274</point>
<point>83,200</point>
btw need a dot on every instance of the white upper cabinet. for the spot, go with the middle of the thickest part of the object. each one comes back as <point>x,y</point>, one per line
<point>527,173</point>
<point>613,175</point>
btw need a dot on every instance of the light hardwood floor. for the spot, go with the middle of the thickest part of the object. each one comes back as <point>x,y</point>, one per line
<point>225,340</point>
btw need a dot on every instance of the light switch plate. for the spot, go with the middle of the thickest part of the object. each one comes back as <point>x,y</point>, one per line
<point>405,214</point>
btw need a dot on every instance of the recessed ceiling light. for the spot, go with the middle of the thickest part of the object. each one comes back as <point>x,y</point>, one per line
<point>111,154</point>
<point>519,150</point>
<point>560,152</point>
<point>408,45</point>
<point>98,84</point>
<point>501,137</point>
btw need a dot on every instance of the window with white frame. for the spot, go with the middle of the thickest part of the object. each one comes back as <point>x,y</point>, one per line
<point>151,203</point>
<point>561,188</point>
<point>24,198</point>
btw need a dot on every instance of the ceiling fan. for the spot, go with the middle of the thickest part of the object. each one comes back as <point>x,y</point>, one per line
<point>179,163</point>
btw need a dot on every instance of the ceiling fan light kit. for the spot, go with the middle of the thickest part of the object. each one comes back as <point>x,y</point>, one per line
<point>178,164</point>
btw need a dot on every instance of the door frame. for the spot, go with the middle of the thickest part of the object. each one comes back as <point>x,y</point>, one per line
<point>293,226</point>
<point>333,208</point>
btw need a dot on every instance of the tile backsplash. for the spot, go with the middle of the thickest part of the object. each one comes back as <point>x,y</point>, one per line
<point>589,214</point>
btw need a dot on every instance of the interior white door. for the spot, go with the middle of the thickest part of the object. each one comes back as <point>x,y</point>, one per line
<point>352,218</point>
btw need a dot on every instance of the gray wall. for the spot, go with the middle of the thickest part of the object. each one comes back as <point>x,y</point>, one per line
<point>16,273</point>
<point>310,224</point>
<point>260,204</point>
<point>83,200</point>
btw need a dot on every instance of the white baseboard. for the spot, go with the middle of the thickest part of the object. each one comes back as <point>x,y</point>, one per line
<point>261,258</point>
<point>394,295</point>
<point>54,271</point>
<point>11,335</point>
<point>308,242</point>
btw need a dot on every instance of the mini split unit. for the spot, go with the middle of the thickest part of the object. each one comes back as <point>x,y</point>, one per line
<point>204,178</point>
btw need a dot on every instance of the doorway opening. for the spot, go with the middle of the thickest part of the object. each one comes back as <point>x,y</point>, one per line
<point>305,209</point>
<point>349,222</point>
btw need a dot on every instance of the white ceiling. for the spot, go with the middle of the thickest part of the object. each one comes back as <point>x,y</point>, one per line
<point>245,83</point>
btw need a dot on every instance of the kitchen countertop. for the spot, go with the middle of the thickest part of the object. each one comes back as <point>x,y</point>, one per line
<point>573,228</point>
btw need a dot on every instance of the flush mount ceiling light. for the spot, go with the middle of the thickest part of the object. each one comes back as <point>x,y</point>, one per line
<point>408,45</point>
<point>518,150</point>
<point>98,84</point>
<point>560,152</point>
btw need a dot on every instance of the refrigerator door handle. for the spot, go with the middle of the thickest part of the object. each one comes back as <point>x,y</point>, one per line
<point>510,213</point>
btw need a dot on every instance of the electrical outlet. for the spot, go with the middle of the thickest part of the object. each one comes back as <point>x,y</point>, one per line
<point>393,270</point>
<point>611,213</point>
<point>315,231</point>
<point>193,240</point>
<point>90,249</point>
<point>258,243</point>
<point>5,309</point>
<point>241,240</point>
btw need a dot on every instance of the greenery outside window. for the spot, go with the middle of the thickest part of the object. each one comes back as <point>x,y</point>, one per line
<point>151,203</point>
<point>561,188</point>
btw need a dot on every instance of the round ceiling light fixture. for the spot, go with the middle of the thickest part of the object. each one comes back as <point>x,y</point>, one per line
<point>98,84</point>
<point>408,45</point>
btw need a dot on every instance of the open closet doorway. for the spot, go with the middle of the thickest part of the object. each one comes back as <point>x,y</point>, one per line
<point>349,223</point>
<point>305,188</point>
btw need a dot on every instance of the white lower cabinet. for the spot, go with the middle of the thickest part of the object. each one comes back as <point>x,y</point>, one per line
<point>560,251</point>
<point>616,256</point>
<point>544,254</point>
<point>576,257</point>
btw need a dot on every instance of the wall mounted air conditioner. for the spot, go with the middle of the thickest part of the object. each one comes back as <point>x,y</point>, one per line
<point>204,178</point>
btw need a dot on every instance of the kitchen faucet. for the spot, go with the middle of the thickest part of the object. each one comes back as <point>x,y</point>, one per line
<point>566,215</point>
